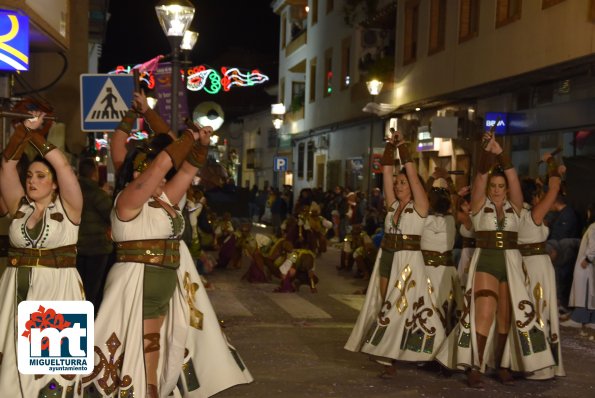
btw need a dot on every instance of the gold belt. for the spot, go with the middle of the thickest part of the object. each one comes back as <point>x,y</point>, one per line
<point>496,239</point>
<point>396,242</point>
<point>59,257</point>
<point>158,252</point>
<point>468,242</point>
<point>532,249</point>
<point>436,259</point>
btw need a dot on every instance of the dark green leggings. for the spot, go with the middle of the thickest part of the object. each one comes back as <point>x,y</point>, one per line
<point>159,284</point>
<point>493,262</point>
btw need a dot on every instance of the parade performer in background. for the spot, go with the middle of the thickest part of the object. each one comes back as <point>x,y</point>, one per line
<point>358,249</point>
<point>398,320</point>
<point>537,263</point>
<point>437,242</point>
<point>298,268</point>
<point>468,236</point>
<point>582,293</point>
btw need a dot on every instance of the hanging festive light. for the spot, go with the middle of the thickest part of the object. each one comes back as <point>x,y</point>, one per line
<point>207,79</point>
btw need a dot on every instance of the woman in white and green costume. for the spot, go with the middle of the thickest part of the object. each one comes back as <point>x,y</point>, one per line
<point>156,333</point>
<point>532,236</point>
<point>398,320</point>
<point>42,255</point>
<point>499,326</point>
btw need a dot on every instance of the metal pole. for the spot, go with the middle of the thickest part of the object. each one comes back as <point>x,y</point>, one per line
<point>371,149</point>
<point>175,80</point>
<point>370,156</point>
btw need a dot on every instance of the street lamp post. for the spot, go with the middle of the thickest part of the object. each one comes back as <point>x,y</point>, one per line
<point>175,16</point>
<point>374,88</point>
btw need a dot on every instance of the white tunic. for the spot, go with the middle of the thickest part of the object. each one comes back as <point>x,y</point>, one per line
<point>45,284</point>
<point>405,326</point>
<point>193,348</point>
<point>582,293</point>
<point>466,255</point>
<point>527,347</point>
<point>439,236</point>
<point>543,291</point>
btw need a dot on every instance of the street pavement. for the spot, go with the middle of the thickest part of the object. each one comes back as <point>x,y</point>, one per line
<point>293,344</point>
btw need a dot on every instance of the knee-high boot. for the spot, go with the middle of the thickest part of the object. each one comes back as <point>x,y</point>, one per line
<point>504,374</point>
<point>474,376</point>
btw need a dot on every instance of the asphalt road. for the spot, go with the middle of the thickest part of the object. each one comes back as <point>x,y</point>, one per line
<point>293,345</point>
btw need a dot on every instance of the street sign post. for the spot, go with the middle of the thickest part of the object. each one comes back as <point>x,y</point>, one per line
<point>105,99</point>
<point>280,163</point>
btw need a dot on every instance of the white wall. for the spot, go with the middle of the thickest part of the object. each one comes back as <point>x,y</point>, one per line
<point>539,39</point>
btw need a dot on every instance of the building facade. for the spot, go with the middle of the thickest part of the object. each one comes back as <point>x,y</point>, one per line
<point>328,50</point>
<point>526,66</point>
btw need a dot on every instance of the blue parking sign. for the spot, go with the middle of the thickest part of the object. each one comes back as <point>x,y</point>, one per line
<point>105,99</point>
<point>280,163</point>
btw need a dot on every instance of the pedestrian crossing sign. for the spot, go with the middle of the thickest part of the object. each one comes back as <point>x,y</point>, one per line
<point>105,99</point>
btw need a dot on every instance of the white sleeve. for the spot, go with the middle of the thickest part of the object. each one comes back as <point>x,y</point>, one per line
<point>590,249</point>
<point>285,267</point>
<point>326,223</point>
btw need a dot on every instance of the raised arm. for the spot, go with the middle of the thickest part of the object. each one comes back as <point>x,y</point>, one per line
<point>539,211</point>
<point>515,193</point>
<point>10,183</point>
<point>119,139</point>
<point>480,182</point>
<point>197,158</point>
<point>135,194</point>
<point>153,119</point>
<point>420,198</point>
<point>388,168</point>
<point>70,190</point>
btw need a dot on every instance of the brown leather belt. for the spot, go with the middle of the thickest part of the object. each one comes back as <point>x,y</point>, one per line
<point>468,242</point>
<point>436,259</point>
<point>4,244</point>
<point>59,257</point>
<point>532,249</point>
<point>496,239</point>
<point>396,242</point>
<point>158,252</point>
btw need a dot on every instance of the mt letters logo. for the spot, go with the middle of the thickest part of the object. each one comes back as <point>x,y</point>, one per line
<point>55,337</point>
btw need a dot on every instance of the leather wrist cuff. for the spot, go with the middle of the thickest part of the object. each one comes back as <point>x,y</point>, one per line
<point>156,122</point>
<point>404,153</point>
<point>486,161</point>
<point>198,156</point>
<point>17,143</point>
<point>388,156</point>
<point>127,122</point>
<point>504,161</point>
<point>552,168</point>
<point>40,144</point>
<point>179,149</point>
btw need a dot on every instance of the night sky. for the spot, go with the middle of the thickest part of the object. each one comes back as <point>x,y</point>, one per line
<point>237,33</point>
<point>134,34</point>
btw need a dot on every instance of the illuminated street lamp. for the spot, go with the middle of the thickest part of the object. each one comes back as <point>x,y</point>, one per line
<point>278,113</point>
<point>189,40</point>
<point>175,16</point>
<point>374,88</point>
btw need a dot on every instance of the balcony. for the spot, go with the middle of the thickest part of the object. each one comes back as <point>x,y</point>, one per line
<point>297,42</point>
